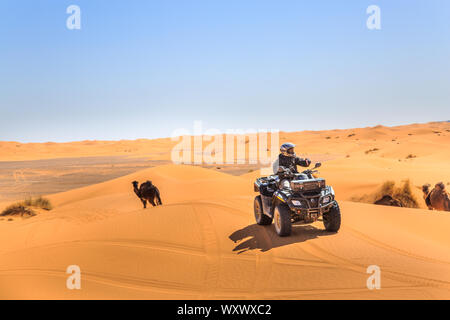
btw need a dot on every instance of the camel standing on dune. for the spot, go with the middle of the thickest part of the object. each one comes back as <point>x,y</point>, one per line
<point>147,192</point>
<point>438,198</point>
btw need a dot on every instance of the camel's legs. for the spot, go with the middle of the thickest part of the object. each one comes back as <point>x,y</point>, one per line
<point>144,202</point>
<point>152,201</point>
<point>158,198</point>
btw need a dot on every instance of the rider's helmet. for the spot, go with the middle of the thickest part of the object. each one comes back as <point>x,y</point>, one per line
<point>287,149</point>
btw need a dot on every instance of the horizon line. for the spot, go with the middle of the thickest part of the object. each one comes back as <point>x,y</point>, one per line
<point>221,133</point>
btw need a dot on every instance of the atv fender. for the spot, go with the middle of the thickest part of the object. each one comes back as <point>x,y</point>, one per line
<point>278,197</point>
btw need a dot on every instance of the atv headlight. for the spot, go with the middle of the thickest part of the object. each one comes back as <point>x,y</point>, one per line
<point>326,199</point>
<point>328,191</point>
<point>332,190</point>
<point>296,203</point>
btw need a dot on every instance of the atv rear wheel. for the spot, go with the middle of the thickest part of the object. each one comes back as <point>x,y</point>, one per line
<point>332,219</point>
<point>260,217</point>
<point>282,217</point>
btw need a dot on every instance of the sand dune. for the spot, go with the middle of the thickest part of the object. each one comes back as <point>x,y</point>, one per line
<point>153,149</point>
<point>203,244</point>
<point>421,140</point>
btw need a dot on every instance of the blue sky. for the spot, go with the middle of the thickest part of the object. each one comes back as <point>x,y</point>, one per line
<point>141,69</point>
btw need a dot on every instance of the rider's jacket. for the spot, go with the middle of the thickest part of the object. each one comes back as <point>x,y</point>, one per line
<point>292,162</point>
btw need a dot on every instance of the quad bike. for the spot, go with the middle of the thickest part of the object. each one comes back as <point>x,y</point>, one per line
<point>289,197</point>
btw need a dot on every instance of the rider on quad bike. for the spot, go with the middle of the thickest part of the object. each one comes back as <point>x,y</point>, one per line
<point>289,160</point>
<point>289,197</point>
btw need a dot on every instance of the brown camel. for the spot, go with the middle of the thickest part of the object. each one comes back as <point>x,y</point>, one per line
<point>438,198</point>
<point>147,192</point>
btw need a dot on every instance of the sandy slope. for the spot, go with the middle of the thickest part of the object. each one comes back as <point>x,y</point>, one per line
<point>203,243</point>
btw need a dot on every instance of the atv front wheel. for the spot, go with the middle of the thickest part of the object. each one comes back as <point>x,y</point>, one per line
<point>282,217</point>
<point>332,219</point>
<point>260,217</point>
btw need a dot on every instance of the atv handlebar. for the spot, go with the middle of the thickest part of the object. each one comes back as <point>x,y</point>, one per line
<point>287,173</point>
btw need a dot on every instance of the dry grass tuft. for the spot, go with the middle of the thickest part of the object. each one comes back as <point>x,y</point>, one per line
<point>40,202</point>
<point>17,210</point>
<point>372,150</point>
<point>403,194</point>
<point>24,208</point>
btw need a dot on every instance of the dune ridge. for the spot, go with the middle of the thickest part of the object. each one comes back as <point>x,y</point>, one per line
<point>396,142</point>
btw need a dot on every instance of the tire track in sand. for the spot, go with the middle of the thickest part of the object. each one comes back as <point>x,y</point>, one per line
<point>211,247</point>
<point>348,264</point>
<point>114,280</point>
<point>390,248</point>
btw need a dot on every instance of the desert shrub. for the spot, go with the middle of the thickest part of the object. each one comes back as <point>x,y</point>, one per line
<point>388,188</point>
<point>39,202</point>
<point>372,150</point>
<point>23,208</point>
<point>17,210</point>
<point>405,196</point>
